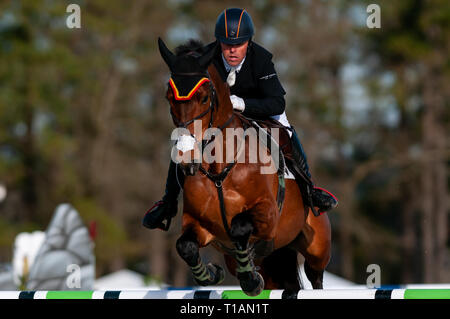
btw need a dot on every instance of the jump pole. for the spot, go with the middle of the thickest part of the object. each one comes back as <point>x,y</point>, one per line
<point>231,294</point>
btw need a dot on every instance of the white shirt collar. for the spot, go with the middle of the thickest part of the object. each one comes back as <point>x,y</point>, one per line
<point>228,67</point>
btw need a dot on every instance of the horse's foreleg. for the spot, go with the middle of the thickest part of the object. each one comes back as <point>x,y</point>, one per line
<point>250,280</point>
<point>188,249</point>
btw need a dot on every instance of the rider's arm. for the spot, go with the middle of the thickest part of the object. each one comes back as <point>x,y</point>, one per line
<point>270,99</point>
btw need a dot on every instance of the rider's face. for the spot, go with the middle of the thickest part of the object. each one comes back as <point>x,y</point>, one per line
<point>234,53</point>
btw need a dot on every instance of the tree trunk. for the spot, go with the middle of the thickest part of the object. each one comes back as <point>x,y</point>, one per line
<point>441,185</point>
<point>158,256</point>
<point>434,182</point>
<point>409,236</point>
<point>346,231</point>
<point>181,271</point>
<point>427,193</point>
<point>441,222</point>
<point>28,147</point>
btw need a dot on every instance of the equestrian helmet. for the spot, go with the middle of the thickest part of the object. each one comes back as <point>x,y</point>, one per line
<point>234,26</point>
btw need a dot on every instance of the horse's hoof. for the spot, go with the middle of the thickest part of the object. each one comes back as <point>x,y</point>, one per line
<point>254,286</point>
<point>219,273</point>
<point>289,294</point>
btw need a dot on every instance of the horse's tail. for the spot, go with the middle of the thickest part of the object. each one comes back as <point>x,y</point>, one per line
<point>283,269</point>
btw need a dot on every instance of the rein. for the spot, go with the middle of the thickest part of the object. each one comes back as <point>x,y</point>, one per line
<point>185,124</point>
<point>218,179</point>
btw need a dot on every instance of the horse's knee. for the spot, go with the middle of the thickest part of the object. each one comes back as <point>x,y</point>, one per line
<point>187,248</point>
<point>241,225</point>
<point>266,232</point>
<point>266,228</point>
<point>241,228</point>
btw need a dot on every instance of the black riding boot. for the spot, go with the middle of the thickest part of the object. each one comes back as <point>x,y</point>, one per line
<point>166,208</point>
<point>321,198</point>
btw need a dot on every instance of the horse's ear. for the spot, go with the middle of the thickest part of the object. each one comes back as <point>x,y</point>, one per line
<point>207,57</point>
<point>166,54</point>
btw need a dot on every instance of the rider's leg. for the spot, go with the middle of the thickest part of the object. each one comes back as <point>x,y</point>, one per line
<point>166,208</point>
<point>321,198</point>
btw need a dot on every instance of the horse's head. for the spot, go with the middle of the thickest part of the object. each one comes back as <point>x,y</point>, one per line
<point>191,96</point>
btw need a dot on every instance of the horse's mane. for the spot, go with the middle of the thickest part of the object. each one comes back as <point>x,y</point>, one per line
<point>191,46</point>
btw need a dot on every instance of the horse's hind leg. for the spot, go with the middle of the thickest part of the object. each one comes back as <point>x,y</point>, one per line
<point>188,249</point>
<point>315,245</point>
<point>252,283</point>
<point>314,276</point>
<point>281,271</point>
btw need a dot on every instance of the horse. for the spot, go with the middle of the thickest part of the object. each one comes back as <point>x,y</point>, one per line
<point>231,204</point>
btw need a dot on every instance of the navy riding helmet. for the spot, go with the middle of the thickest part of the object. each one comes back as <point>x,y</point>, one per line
<point>234,26</point>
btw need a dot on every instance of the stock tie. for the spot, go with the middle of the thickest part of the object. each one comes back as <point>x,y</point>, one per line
<point>231,79</point>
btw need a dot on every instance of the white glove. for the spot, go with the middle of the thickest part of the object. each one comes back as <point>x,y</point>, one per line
<point>238,103</point>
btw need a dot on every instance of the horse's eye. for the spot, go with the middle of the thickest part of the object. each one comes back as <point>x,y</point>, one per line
<point>205,99</point>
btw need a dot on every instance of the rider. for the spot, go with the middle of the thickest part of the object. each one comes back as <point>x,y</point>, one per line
<point>256,92</point>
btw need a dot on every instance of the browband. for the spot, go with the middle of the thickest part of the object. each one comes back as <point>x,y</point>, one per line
<point>176,92</point>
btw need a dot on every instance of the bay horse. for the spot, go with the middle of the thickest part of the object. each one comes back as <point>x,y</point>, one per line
<point>232,206</point>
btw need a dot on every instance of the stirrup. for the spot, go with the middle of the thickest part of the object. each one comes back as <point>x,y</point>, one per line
<point>328,194</point>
